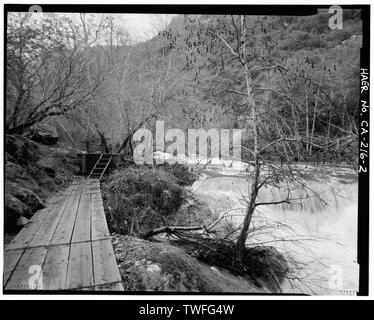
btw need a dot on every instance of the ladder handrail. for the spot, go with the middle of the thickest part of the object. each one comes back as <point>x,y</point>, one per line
<point>95,164</point>
<point>110,159</point>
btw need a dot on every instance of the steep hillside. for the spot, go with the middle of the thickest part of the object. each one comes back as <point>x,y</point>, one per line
<point>33,171</point>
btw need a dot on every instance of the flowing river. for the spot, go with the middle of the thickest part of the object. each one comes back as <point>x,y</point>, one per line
<point>318,234</point>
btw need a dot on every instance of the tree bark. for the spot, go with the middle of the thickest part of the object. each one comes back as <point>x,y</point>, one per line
<point>239,254</point>
<point>88,137</point>
<point>307,116</point>
<point>124,143</point>
<point>67,134</point>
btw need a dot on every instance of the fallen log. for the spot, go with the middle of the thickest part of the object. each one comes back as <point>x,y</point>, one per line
<point>173,229</point>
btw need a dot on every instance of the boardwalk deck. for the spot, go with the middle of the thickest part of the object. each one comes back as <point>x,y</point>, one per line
<point>66,246</point>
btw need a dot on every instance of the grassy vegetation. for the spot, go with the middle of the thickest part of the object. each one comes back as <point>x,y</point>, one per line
<point>150,266</point>
<point>139,199</point>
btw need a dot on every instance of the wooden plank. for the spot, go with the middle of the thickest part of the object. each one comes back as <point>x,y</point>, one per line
<point>104,262</point>
<point>82,227</point>
<point>49,204</point>
<point>68,190</point>
<point>78,188</point>
<point>28,273</point>
<point>27,233</point>
<point>57,199</point>
<point>42,213</point>
<point>99,226</point>
<point>80,272</point>
<point>93,187</point>
<point>45,233</point>
<point>83,289</point>
<point>11,258</point>
<point>74,215</point>
<point>65,227</point>
<point>117,286</point>
<point>97,200</point>
<point>94,184</point>
<point>55,267</point>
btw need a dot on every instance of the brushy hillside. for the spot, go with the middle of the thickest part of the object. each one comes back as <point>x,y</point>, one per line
<point>141,199</point>
<point>32,172</point>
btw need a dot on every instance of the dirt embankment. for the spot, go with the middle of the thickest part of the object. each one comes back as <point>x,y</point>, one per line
<point>150,266</point>
<point>33,171</point>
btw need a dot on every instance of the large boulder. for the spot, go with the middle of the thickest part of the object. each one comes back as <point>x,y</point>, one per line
<point>21,149</point>
<point>14,171</point>
<point>21,222</point>
<point>48,165</point>
<point>25,195</point>
<point>43,133</point>
<point>14,209</point>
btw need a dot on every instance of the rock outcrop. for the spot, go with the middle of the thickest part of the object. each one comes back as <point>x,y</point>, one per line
<point>43,133</point>
<point>32,172</point>
<point>21,149</point>
<point>25,195</point>
<point>14,209</point>
<point>14,171</point>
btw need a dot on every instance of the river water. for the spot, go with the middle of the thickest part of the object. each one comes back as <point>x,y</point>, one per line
<point>318,234</point>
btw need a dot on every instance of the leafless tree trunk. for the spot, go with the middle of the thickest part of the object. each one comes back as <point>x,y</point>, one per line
<point>307,116</point>
<point>240,244</point>
<point>88,135</point>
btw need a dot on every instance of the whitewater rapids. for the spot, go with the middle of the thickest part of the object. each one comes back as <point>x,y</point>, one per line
<point>318,234</point>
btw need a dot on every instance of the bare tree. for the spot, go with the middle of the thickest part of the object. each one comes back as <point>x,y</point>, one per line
<point>44,73</point>
<point>247,41</point>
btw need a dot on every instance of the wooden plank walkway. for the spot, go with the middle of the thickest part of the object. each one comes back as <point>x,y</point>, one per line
<point>66,246</point>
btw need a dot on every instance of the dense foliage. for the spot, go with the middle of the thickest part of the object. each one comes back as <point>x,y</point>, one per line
<point>142,199</point>
<point>99,88</point>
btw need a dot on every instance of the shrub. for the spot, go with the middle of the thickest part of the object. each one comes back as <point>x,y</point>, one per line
<point>141,199</point>
<point>181,173</point>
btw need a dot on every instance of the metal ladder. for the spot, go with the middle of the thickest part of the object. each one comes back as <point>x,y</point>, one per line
<point>100,167</point>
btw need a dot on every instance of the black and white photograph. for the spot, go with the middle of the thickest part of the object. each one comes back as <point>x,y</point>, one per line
<point>186,149</point>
